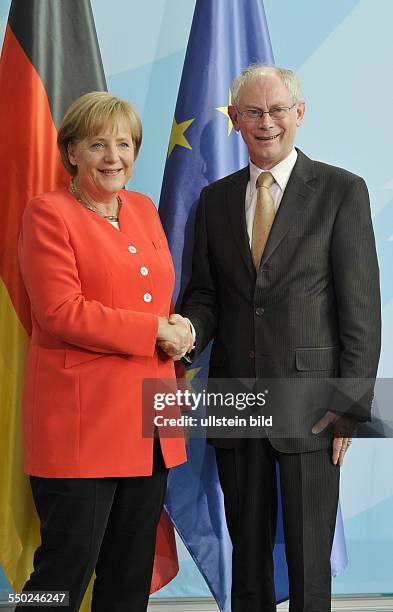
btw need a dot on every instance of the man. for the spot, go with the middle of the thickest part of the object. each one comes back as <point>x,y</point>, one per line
<point>285,280</point>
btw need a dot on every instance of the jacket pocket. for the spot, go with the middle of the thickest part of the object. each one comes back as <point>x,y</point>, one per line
<point>160,243</point>
<point>75,357</point>
<point>317,359</point>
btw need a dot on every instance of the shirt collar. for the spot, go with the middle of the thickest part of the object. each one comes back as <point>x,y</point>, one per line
<point>281,171</point>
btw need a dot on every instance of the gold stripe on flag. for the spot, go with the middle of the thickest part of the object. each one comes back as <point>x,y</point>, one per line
<point>19,533</point>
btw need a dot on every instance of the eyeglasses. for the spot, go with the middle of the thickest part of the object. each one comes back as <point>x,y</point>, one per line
<point>256,114</point>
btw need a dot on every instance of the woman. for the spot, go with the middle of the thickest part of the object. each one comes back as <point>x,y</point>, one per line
<point>97,268</point>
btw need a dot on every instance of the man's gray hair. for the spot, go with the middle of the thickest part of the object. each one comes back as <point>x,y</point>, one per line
<point>288,77</point>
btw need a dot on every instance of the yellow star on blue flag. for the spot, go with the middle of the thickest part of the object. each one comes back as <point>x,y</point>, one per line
<point>224,111</point>
<point>177,135</point>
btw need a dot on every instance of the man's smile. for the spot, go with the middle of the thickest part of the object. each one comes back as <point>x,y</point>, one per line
<point>267,137</point>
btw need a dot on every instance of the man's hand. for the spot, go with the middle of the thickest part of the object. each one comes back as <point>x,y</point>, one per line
<point>175,336</point>
<point>343,429</point>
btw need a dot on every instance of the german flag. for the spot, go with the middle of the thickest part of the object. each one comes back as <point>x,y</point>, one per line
<point>50,57</point>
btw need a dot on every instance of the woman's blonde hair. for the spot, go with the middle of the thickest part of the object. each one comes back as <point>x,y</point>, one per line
<point>88,115</point>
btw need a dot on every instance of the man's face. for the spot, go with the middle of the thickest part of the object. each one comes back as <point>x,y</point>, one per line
<point>268,140</point>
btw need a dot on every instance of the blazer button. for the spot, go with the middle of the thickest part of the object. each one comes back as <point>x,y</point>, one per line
<point>147,297</point>
<point>259,311</point>
<point>144,271</point>
<point>132,249</point>
<point>251,355</point>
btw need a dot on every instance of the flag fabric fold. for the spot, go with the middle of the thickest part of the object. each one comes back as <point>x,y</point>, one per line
<point>225,37</point>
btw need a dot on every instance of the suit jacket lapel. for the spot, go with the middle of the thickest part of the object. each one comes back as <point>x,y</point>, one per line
<point>297,195</point>
<point>236,195</point>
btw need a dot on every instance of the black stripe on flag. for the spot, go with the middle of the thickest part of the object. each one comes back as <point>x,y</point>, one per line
<point>60,39</point>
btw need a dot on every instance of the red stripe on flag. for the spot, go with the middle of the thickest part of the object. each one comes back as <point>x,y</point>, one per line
<point>29,160</point>
<point>165,561</point>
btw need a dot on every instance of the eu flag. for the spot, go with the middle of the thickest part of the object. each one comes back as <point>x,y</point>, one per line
<point>225,37</point>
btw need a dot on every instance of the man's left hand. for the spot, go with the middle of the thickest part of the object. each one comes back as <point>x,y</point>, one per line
<point>343,429</point>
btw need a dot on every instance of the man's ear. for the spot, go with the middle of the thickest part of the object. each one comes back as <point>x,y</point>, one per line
<point>300,110</point>
<point>232,112</point>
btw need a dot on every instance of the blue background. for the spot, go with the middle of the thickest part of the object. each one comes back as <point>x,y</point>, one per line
<point>341,50</point>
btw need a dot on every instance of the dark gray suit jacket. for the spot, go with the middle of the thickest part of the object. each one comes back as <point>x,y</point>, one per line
<point>313,310</point>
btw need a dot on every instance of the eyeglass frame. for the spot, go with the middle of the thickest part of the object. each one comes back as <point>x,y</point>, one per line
<point>262,112</point>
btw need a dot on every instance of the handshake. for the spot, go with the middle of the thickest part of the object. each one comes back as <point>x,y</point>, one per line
<point>175,336</point>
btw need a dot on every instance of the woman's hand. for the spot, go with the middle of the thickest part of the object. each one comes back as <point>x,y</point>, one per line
<point>174,336</point>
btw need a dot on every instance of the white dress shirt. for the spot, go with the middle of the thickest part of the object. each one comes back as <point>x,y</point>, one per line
<point>281,173</point>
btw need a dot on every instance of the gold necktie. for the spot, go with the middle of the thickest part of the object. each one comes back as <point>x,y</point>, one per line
<point>263,218</point>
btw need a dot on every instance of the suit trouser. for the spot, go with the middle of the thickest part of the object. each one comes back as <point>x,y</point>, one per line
<point>106,524</point>
<point>309,492</point>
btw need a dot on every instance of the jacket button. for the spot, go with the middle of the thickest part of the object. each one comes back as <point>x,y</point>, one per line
<point>251,354</point>
<point>259,311</point>
<point>132,249</point>
<point>144,271</point>
<point>147,297</point>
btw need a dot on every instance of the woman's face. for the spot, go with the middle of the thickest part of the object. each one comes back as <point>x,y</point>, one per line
<point>104,162</point>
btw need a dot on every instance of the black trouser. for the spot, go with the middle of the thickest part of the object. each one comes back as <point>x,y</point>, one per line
<point>309,492</point>
<point>106,524</point>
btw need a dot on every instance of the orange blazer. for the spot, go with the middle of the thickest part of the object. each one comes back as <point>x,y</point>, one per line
<point>96,294</point>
